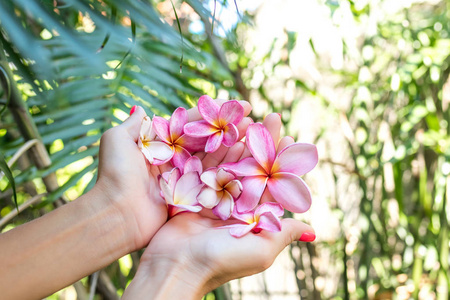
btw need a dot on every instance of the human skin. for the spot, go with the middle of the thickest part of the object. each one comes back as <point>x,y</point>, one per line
<point>191,255</point>
<point>121,213</point>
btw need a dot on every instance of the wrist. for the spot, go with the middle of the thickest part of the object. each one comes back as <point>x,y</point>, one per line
<point>112,201</point>
<point>159,277</point>
<point>108,223</point>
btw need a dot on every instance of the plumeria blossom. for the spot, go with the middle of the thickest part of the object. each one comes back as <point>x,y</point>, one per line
<point>220,191</point>
<point>264,217</point>
<point>180,190</point>
<point>193,164</point>
<point>171,132</point>
<point>156,152</point>
<point>218,124</point>
<point>280,173</point>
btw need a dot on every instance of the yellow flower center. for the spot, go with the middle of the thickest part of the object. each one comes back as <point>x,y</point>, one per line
<point>145,142</point>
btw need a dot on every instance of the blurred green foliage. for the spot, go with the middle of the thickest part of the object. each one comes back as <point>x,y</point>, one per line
<point>400,119</point>
<point>396,124</point>
<point>74,69</point>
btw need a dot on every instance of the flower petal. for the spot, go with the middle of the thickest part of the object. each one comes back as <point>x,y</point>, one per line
<point>246,167</point>
<point>234,187</point>
<point>148,155</point>
<point>290,191</point>
<point>223,177</point>
<point>167,183</point>
<point>272,207</point>
<point>166,191</point>
<point>239,230</point>
<point>161,127</point>
<point>180,156</point>
<point>246,217</point>
<point>193,164</point>
<point>231,112</point>
<point>175,175</point>
<point>146,128</point>
<point>209,178</point>
<point>209,197</point>
<point>214,142</point>
<point>188,185</point>
<point>172,176</point>
<point>298,158</point>
<point>261,145</point>
<point>160,150</point>
<point>199,129</point>
<point>268,221</point>
<point>176,209</point>
<point>225,206</point>
<point>192,144</point>
<point>230,135</point>
<point>209,110</point>
<point>177,121</point>
<point>253,187</point>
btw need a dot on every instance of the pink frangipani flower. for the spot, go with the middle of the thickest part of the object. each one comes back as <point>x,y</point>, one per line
<point>171,133</point>
<point>180,191</point>
<point>156,152</point>
<point>264,217</point>
<point>193,164</point>
<point>280,173</point>
<point>219,123</point>
<point>220,191</point>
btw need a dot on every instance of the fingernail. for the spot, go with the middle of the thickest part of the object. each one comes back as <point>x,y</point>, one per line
<point>133,109</point>
<point>279,115</point>
<point>307,237</point>
<point>291,137</point>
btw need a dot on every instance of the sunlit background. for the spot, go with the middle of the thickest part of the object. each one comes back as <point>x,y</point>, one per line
<point>366,81</point>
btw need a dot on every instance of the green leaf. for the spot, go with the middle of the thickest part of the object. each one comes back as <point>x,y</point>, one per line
<point>113,20</point>
<point>213,17</point>
<point>62,113</point>
<point>181,34</point>
<point>72,132</point>
<point>4,80</point>
<point>5,169</point>
<point>53,196</point>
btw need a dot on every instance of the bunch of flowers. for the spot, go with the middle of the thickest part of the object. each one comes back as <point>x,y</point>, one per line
<point>231,190</point>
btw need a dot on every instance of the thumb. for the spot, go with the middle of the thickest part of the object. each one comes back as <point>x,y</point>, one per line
<point>133,124</point>
<point>294,230</point>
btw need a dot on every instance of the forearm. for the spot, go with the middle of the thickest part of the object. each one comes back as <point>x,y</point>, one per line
<point>49,253</point>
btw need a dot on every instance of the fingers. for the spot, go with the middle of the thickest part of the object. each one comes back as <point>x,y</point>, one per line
<point>213,159</point>
<point>194,115</point>
<point>284,142</point>
<point>200,155</point>
<point>247,107</point>
<point>234,153</point>
<point>167,167</point>
<point>245,153</point>
<point>294,230</point>
<point>133,124</point>
<point>273,123</point>
<point>242,127</point>
<point>267,197</point>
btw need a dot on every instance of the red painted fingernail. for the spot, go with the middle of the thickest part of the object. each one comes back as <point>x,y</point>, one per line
<point>307,237</point>
<point>279,115</point>
<point>133,109</point>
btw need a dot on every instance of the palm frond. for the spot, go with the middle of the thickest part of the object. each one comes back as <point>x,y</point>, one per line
<point>77,91</point>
